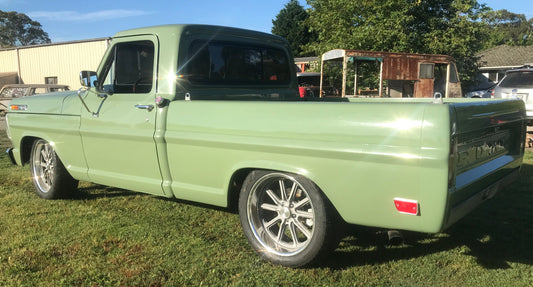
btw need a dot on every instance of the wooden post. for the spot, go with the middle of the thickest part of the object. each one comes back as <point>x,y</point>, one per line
<point>381,79</point>
<point>355,78</point>
<point>344,75</point>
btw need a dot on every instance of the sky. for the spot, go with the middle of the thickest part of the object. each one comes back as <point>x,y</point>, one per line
<point>67,20</point>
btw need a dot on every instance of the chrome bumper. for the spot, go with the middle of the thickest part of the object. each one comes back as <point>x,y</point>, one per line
<point>9,152</point>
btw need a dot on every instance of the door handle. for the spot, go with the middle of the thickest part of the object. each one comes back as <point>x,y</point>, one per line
<point>145,107</point>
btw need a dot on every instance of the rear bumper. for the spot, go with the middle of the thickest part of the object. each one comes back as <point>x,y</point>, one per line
<point>9,152</point>
<point>459,211</point>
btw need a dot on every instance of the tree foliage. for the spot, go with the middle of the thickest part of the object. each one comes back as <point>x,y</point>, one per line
<point>17,29</point>
<point>508,28</point>
<point>290,24</point>
<point>449,27</point>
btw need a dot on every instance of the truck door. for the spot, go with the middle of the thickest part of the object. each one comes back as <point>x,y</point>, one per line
<point>118,136</point>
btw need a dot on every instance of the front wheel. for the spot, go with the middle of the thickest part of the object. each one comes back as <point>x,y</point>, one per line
<point>50,178</point>
<point>286,218</point>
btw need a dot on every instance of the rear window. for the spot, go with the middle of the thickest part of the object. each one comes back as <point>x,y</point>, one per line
<point>226,63</point>
<point>518,80</point>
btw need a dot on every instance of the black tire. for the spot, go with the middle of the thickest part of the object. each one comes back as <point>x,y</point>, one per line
<point>287,219</point>
<point>50,178</point>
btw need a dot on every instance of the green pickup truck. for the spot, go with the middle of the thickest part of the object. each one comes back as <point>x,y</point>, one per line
<point>212,115</point>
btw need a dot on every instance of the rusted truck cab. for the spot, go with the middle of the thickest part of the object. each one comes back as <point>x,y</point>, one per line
<point>394,75</point>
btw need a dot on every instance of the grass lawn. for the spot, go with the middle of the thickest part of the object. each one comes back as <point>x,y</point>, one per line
<point>107,237</point>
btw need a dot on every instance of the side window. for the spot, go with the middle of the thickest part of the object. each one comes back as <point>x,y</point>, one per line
<point>226,63</point>
<point>130,68</point>
<point>50,80</point>
<point>426,71</point>
<point>453,74</point>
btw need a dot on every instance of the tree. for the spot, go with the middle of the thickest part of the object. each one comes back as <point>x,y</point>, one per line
<point>449,27</point>
<point>508,28</point>
<point>17,29</point>
<point>290,24</point>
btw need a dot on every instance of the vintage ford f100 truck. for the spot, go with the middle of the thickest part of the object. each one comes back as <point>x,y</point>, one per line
<point>212,115</point>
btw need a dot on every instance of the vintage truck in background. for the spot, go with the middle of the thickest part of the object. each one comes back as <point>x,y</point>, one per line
<point>390,74</point>
<point>212,115</point>
<point>11,91</point>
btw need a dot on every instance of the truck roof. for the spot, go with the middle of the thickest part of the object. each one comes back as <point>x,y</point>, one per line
<point>178,29</point>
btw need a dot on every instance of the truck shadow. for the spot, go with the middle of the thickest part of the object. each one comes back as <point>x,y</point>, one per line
<point>495,234</point>
<point>95,191</point>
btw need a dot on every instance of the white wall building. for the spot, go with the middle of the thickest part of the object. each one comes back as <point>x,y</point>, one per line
<point>56,63</point>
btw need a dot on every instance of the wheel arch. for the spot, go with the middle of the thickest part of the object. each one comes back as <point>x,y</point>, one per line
<point>26,145</point>
<point>239,175</point>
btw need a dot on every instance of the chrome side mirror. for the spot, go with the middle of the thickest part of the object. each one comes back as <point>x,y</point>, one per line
<point>88,79</point>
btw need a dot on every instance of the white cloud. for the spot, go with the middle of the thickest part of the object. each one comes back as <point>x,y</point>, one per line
<point>93,16</point>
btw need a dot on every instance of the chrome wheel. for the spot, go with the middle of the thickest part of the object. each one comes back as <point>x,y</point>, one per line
<point>50,178</point>
<point>43,163</point>
<point>280,214</point>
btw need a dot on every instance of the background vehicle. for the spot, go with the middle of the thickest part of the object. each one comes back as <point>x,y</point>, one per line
<point>518,83</point>
<point>395,75</point>
<point>12,91</point>
<point>485,93</point>
<point>309,86</point>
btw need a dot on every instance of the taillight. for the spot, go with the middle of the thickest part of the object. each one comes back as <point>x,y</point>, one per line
<point>302,91</point>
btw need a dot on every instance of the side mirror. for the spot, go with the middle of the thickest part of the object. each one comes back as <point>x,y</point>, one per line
<point>88,78</point>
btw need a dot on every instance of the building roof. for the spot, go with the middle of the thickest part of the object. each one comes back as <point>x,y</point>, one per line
<point>54,44</point>
<point>505,57</point>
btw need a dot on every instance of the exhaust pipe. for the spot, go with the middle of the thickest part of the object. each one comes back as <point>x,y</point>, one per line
<point>395,237</point>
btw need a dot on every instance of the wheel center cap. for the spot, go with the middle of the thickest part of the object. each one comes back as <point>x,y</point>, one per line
<point>285,212</point>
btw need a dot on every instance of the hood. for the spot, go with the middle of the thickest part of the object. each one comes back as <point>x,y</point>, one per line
<point>51,103</point>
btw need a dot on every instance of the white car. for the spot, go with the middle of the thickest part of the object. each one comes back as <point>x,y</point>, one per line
<point>518,83</point>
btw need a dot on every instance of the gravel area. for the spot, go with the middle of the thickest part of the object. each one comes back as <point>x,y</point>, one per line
<point>2,123</point>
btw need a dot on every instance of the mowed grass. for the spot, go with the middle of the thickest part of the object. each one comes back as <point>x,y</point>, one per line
<point>108,237</point>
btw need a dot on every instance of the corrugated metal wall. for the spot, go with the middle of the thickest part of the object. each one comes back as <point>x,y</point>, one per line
<point>8,61</point>
<point>61,60</point>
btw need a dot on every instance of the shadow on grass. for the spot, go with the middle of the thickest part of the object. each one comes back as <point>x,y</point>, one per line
<point>100,191</point>
<point>497,233</point>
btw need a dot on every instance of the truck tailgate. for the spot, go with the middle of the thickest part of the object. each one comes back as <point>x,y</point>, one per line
<point>487,148</point>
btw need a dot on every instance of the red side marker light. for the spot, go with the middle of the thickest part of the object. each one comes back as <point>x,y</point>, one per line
<point>406,206</point>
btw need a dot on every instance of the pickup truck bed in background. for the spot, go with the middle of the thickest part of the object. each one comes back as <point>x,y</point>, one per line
<point>297,170</point>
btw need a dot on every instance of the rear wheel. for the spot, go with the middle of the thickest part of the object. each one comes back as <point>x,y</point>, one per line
<point>286,218</point>
<point>50,178</point>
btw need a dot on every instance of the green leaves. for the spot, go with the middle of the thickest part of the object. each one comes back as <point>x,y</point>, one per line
<point>17,29</point>
<point>291,24</point>
<point>433,27</point>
